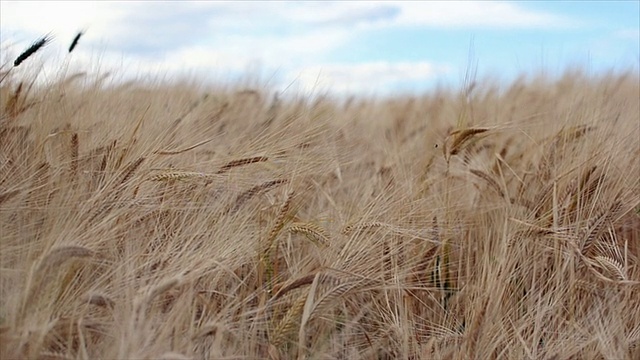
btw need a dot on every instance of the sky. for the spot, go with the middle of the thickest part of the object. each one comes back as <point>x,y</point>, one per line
<point>355,48</point>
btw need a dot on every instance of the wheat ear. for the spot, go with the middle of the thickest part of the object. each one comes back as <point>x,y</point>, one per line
<point>322,305</point>
<point>106,156</point>
<point>363,226</point>
<point>5,196</point>
<point>596,226</point>
<point>74,150</point>
<point>130,169</point>
<point>143,301</point>
<point>461,137</point>
<point>269,257</point>
<point>491,181</point>
<point>612,265</point>
<point>180,175</point>
<point>74,43</point>
<point>35,47</point>
<point>287,325</point>
<point>475,328</point>
<point>248,194</point>
<point>175,152</point>
<point>13,103</point>
<point>310,230</point>
<point>100,300</point>
<point>303,281</point>
<point>52,261</point>
<point>241,162</point>
<point>59,255</point>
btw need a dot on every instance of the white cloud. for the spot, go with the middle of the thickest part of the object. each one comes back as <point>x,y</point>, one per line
<point>475,14</point>
<point>63,18</point>
<point>628,34</point>
<point>433,14</point>
<point>439,14</point>
<point>367,77</point>
<point>341,13</point>
<point>292,38</point>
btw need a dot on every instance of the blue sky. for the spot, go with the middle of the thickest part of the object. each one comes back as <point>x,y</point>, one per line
<point>375,48</point>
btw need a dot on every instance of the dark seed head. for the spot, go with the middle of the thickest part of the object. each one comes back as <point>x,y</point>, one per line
<point>74,43</point>
<point>32,50</point>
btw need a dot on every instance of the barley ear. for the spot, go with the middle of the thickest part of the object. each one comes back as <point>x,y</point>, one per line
<point>132,138</point>
<point>5,196</point>
<point>35,47</point>
<point>491,181</point>
<point>74,43</point>
<point>179,175</point>
<point>270,256</point>
<point>248,194</point>
<point>307,312</point>
<point>46,269</point>
<point>100,300</point>
<point>287,325</point>
<point>241,162</point>
<point>74,150</point>
<point>612,266</point>
<point>13,104</point>
<point>144,300</point>
<point>363,226</point>
<point>314,232</point>
<point>328,298</point>
<point>130,169</point>
<point>180,151</point>
<point>303,281</point>
<point>460,138</point>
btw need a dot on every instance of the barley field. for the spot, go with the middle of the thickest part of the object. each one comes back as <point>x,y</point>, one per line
<point>176,221</point>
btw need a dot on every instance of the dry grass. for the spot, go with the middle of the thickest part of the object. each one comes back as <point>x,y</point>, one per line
<point>312,229</point>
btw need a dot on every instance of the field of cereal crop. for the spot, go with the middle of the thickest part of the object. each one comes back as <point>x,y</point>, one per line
<point>169,222</point>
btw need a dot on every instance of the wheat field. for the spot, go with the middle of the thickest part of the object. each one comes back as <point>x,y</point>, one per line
<point>180,222</point>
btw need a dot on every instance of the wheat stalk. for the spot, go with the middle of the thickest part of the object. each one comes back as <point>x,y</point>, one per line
<point>175,152</point>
